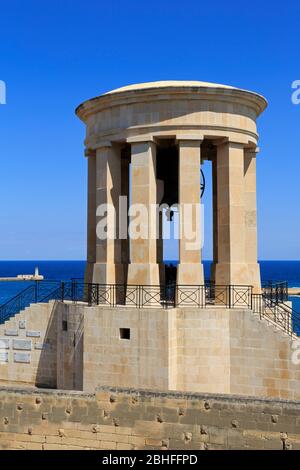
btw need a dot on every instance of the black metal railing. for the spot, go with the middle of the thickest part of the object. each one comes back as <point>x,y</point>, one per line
<point>139,296</point>
<point>277,291</point>
<point>166,296</point>
<point>270,304</point>
<point>278,313</point>
<point>38,291</point>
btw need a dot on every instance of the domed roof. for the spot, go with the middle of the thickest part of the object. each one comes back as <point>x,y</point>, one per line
<point>132,92</point>
<point>168,83</point>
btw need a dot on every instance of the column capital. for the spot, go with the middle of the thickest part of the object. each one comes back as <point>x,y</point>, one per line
<point>94,143</point>
<point>102,144</point>
<point>252,151</point>
<point>139,139</point>
<point>240,142</point>
<point>189,137</point>
<point>88,152</point>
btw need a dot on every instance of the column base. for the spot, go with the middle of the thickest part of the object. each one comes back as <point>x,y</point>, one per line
<point>242,274</point>
<point>190,274</point>
<point>254,276</point>
<point>231,285</point>
<point>232,274</point>
<point>104,273</point>
<point>143,274</point>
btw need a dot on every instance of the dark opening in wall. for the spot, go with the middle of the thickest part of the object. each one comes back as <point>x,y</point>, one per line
<point>124,333</point>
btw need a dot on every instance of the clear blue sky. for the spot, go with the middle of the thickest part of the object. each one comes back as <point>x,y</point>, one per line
<point>54,54</point>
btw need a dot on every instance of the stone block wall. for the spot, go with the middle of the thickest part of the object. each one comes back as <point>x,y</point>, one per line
<point>147,359</point>
<point>213,350</point>
<point>203,354</point>
<point>262,359</point>
<point>70,329</point>
<point>125,419</point>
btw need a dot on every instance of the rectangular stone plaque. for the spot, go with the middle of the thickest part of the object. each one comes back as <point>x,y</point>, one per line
<point>4,343</point>
<point>3,357</point>
<point>11,333</point>
<point>22,344</point>
<point>24,358</point>
<point>33,334</point>
<point>22,324</point>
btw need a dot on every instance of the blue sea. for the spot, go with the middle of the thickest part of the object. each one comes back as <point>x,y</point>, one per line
<point>65,270</point>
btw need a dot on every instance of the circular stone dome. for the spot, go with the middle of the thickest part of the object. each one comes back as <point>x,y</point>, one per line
<point>168,83</point>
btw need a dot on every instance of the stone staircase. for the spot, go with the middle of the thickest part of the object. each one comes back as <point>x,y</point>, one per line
<point>25,339</point>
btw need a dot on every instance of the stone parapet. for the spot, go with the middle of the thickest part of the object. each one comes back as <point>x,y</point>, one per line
<point>132,419</point>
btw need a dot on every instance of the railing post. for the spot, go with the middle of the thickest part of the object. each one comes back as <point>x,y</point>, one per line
<point>124,294</point>
<point>62,291</point>
<point>97,294</point>
<point>73,287</point>
<point>89,295</point>
<point>229,296</point>
<point>114,290</point>
<point>36,286</point>
<point>163,296</point>
<point>201,292</point>
<point>175,295</point>
<point>140,296</point>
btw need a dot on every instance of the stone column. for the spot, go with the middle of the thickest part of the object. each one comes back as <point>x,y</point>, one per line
<point>91,216</point>
<point>124,208</point>
<point>143,268</point>
<point>190,268</point>
<point>108,268</point>
<point>215,218</point>
<point>231,267</point>
<point>251,220</point>
<point>160,241</point>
